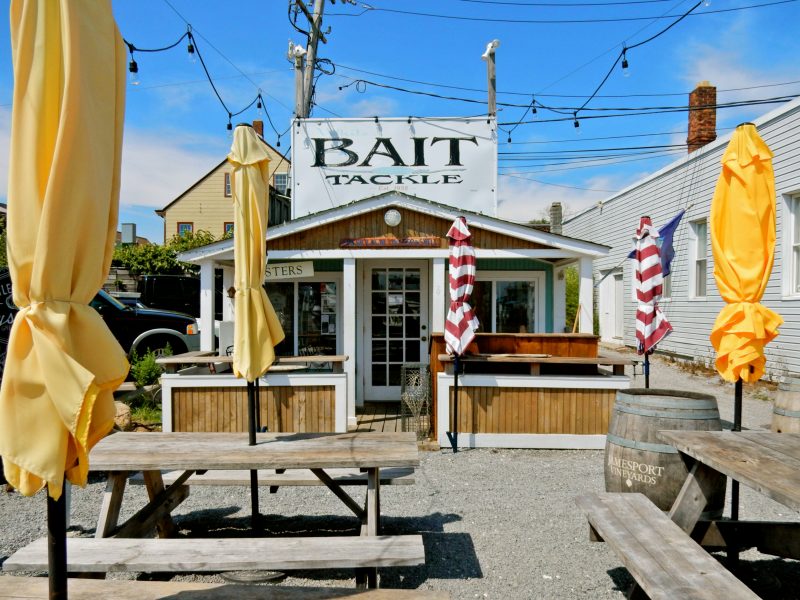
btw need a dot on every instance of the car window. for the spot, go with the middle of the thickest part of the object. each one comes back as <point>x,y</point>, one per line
<point>103,297</point>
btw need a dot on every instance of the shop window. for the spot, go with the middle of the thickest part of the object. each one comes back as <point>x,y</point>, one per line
<point>791,247</point>
<point>184,228</point>
<point>509,305</point>
<point>281,182</point>
<point>227,185</point>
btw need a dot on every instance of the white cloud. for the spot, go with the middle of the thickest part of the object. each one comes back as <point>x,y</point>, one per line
<point>158,168</point>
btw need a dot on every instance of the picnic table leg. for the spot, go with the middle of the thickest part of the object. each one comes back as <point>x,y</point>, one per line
<point>368,577</point>
<point>155,486</point>
<point>112,501</point>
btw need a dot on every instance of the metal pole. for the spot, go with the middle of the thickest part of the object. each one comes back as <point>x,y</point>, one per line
<point>251,409</point>
<point>733,550</point>
<point>646,369</point>
<point>454,434</point>
<point>57,546</point>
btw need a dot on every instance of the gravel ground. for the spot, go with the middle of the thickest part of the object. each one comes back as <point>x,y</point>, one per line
<point>496,523</point>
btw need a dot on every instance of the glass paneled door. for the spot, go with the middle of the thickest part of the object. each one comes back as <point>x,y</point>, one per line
<point>396,328</point>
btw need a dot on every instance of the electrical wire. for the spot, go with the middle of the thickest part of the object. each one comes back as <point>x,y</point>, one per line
<point>564,21</point>
<point>560,185</point>
<point>564,4</point>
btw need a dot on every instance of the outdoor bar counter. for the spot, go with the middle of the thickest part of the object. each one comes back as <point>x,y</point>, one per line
<point>527,391</point>
<point>295,394</point>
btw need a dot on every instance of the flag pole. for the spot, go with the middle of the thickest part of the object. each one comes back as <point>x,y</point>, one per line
<point>57,546</point>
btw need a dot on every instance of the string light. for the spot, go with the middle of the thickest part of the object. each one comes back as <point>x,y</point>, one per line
<point>576,124</point>
<point>626,72</point>
<point>133,69</point>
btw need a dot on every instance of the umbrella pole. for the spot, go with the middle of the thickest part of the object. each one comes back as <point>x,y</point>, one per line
<point>453,435</point>
<point>57,546</point>
<point>733,551</point>
<point>646,369</point>
<point>251,408</point>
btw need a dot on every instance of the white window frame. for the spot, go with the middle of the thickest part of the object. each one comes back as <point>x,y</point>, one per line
<point>698,251</point>
<point>666,293</point>
<point>538,277</point>
<point>789,263</point>
<point>275,180</point>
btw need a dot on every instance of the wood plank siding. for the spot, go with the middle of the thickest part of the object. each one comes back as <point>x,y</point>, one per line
<point>299,409</point>
<point>205,204</point>
<point>533,410</point>
<point>371,225</point>
<point>690,182</point>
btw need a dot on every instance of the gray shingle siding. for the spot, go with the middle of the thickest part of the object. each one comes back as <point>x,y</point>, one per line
<point>690,182</point>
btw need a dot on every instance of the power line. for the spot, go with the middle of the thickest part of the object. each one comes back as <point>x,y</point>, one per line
<point>570,187</point>
<point>560,21</point>
<point>561,4</point>
<point>510,93</point>
<point>618,148</point>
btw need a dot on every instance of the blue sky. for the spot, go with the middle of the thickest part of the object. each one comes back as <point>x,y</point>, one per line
<point>175,127</point>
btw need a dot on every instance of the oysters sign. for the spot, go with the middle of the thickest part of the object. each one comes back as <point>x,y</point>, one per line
<point>447,160</point>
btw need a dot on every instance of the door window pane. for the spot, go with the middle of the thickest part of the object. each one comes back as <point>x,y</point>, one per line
<point>379,374</point>
<point>412,327</point>
<point>481,303</point>
<point>395,351</point>
<point>379,350</point>
<point>378,327</point>
<point>395,279</point>
<point>379,303</point>
<point>378,279</point>
<point>281,295</point>
<point>394,374</point>
<point>316,331</point>
<point>412,279</point>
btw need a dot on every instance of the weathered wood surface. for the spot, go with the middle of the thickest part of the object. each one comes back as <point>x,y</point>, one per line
<point>291,477</point>
<point>144,451</point>
<point>765,461</point>
<point>296,408</point>
<point>36,588</point>
<point>661,557</point>
<point>199,357</point>
<point>490,409</point>
<point>537,358</point>
<point>92,555</point>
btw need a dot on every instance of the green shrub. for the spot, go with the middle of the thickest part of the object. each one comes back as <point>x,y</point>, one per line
<point>144,370</point>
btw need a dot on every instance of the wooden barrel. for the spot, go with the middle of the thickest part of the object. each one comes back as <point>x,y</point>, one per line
<point>637,460</point>
<point>786,412</point>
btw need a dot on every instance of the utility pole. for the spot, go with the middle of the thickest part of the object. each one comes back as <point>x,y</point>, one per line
<point>314,37</point>
<point>488,56</point>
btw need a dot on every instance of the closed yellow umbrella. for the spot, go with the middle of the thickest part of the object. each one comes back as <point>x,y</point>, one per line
<point>62,362</point>
<point>743,244</point>
<point>256,327</point>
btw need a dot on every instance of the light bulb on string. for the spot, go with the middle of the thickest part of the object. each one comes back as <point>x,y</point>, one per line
<point>133,70</point>
<point>278,144</point>
<point>259,105</point>
<point>533,106</point>
<point>626,72</point>
<point>576,124</point>
<point>191,52</point>
<point>229,126</point>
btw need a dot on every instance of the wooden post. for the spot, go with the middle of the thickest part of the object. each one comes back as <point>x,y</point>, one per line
<point>488,56</point>
<point>298,84</point>
<point>311,53</point>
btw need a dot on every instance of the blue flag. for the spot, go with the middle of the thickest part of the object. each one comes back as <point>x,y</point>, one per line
<point>666,233</point>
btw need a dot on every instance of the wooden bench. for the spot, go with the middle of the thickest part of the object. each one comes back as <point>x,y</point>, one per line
<point>96,555</point>
<point>660,556</point>
<point>36,588</point>
<point>289,477</point>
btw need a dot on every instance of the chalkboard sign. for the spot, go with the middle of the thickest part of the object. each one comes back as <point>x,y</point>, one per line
<point>7,312</point>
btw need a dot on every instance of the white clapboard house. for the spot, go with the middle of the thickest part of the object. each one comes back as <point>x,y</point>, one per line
<point>691,300</point>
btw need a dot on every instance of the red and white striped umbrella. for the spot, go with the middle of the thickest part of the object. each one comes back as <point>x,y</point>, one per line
<point>461,323</point>
<point>651,324</point>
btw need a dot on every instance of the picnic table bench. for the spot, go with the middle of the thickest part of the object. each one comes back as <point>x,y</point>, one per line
<point>36,588</point>
<point>661,557</point>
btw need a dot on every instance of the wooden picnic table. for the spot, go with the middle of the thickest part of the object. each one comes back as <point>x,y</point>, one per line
<point>122,454</point>
<point>282,363</point>
<point>765,461</point>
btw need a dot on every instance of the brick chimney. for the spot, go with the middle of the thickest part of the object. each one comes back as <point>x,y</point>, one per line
<point>259,127</point>
<point>702,121</point>
<point>556,217</point>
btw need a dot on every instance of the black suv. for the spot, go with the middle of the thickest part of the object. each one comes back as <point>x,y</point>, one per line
<point>143,329</point>
<point>170,292</point>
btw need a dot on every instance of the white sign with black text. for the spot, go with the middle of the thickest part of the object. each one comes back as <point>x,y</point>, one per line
<point>449,160</point>
<point>289,270</point>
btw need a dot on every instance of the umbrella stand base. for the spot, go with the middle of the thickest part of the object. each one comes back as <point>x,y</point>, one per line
<point>252,576</point>
<point>453,437</point>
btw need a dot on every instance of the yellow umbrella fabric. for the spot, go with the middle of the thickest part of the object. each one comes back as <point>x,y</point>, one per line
<point>257,328</point>
<point>743,244</point>
<point>62,362</point>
